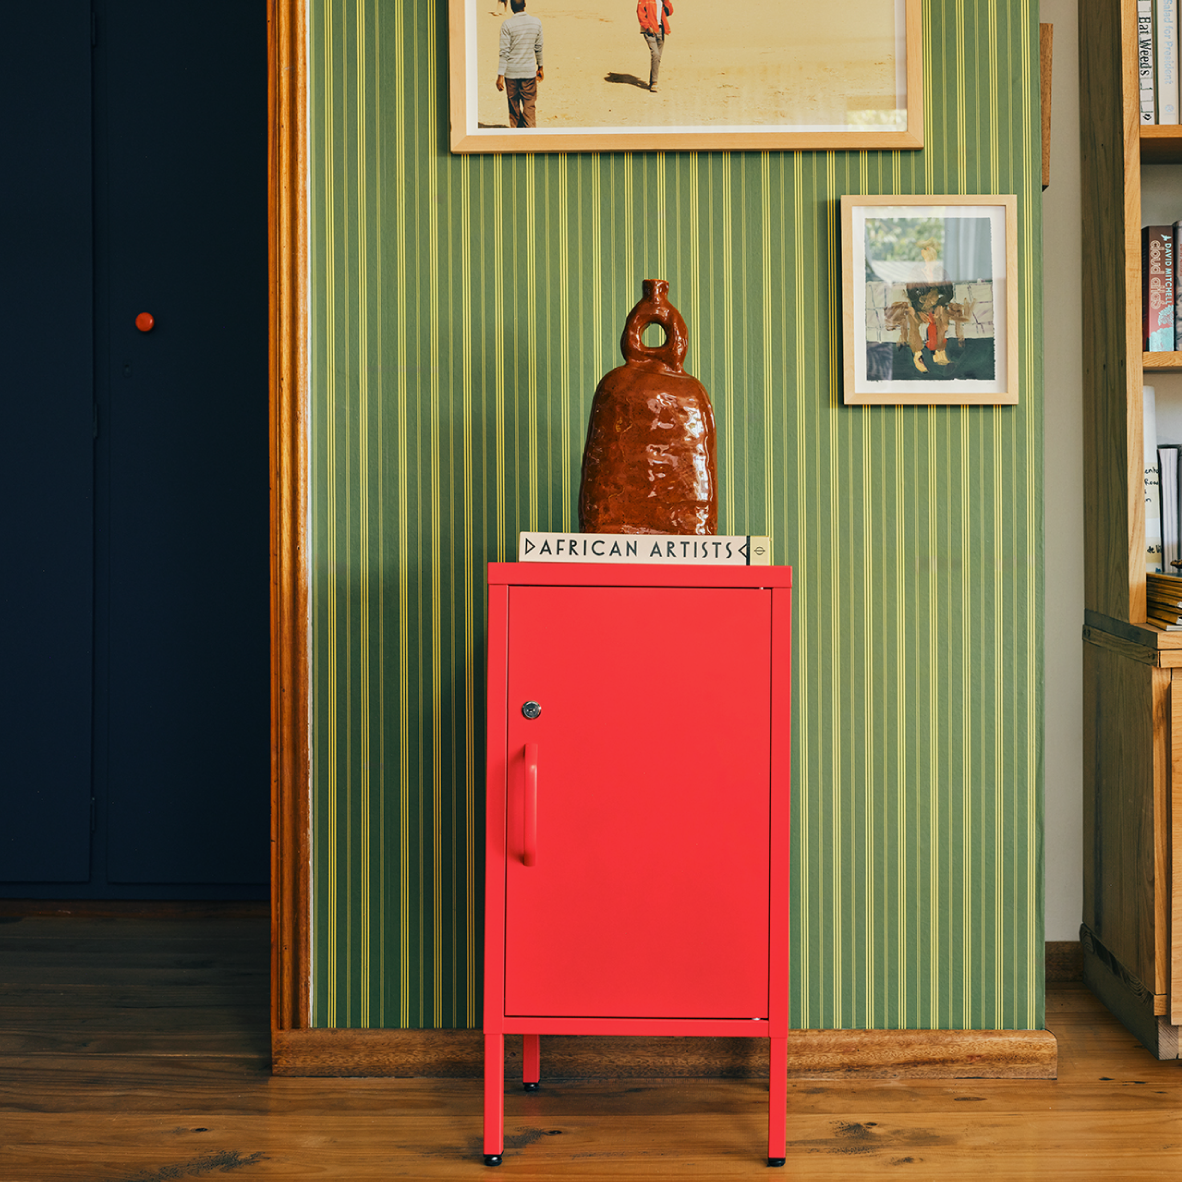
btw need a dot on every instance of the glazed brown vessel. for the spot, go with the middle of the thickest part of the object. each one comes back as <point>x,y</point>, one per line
<point>649,460</point>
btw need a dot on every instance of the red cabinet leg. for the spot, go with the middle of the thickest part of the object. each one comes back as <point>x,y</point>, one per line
<point>531,1061</point>
<point>777,1101</point>
<point>494,1098</point>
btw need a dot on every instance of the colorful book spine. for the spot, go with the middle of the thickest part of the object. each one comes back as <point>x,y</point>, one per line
<point>1166,39</point>
<point>1177,289</point>
<point>1157,288</point>
<point>1145,59</point>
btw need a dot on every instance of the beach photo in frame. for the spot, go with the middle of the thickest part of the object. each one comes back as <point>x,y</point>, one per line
<point>674,75</point>
<point>930,300</point>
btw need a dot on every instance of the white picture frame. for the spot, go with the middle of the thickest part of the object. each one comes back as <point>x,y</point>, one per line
<point>930,300</point>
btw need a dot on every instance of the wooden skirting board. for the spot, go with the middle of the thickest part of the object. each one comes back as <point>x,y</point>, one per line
<point>812,1054</point>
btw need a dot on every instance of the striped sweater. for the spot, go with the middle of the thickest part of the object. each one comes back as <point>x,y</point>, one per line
<point>521,46</point>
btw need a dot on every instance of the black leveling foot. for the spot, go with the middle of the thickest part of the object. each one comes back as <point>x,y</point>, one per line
<point>531,1087</point>
<point>776,1161</point>
<point>492,1159</point>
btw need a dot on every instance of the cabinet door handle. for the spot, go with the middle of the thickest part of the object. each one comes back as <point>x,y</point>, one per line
<point>529,836</point>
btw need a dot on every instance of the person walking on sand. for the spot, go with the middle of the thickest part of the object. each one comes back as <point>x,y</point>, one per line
<point>520,67</point>
<point>654,28</point>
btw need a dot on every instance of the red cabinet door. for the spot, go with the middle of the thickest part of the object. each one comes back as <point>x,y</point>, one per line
<point>648,895</point>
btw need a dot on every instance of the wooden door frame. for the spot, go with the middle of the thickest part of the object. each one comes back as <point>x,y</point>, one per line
<point>288,275</point>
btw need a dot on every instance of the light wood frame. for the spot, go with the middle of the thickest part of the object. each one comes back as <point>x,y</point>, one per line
<point>858,391</point>
<point>465,140</point>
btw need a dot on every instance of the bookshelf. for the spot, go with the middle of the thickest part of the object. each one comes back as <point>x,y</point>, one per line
<point>1132,922</point>
<point>1160,144</point>
<point>1161,363</point>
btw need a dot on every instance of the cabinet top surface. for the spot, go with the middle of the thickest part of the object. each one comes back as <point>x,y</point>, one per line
<point>593,574</point>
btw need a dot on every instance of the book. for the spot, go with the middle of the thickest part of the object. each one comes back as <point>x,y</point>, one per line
<point>1165,590</point>
<point>1166,41</point>
<point>1145,60</point>
<point>1152,481</point>
<point>1157,288</point>
<point>1164,625</point>
<point>1167,458</point>
<point>1164,601</point>
<point>663,549</point>
<point>1177,289</point>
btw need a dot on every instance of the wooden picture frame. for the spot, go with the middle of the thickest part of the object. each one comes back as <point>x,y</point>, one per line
<point>715,93</point>
<point>930,300</point>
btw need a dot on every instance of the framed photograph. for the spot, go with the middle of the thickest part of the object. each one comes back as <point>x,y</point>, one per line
<point>675,75</point>
<point>930,300</point>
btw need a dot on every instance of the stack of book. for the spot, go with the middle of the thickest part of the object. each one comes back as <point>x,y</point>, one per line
<point>1157,60</point>
<point>1164,601</point>
<point>648,549</point>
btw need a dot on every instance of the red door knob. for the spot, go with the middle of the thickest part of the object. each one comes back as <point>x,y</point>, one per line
<point>145,322</point>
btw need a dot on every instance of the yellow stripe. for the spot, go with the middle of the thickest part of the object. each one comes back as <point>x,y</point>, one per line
<point>960,157</point>
<point>566,440</point>
<point>870,586</point>
<point>470,583</point>
<point>800,592</point>
<point>330,542</point>
<point>694,286</point>
<point>361,561</point>
<point>730,420</point>
<point>376,974</point>
<point>928,156</point>
<point>833,468</point>
<point>1001,625</point>
<point>936,629</point>
<point>994,138</point>
<point>1034,912</point>
<point>903,713</point>
<point>435,542</point>
<point>769,392</point>
<point>403,500</point>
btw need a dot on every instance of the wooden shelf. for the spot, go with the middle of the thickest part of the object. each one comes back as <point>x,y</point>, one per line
<point>1161,362</point>
<point>1147,635</point>
<point>1161,143</point>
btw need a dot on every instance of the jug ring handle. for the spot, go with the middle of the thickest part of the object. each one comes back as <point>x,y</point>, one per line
<point>654,308</point>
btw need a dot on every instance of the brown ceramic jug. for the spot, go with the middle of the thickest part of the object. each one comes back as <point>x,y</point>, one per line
<point>649,460</point>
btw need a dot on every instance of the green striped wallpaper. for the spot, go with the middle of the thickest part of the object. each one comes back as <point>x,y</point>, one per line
<point>463,310</point>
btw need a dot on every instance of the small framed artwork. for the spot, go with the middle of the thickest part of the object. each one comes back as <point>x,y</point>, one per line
<point>930,300</point>
<point>677,75</point>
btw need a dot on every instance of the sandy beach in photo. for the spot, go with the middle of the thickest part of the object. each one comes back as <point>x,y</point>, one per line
<point>767,63</point>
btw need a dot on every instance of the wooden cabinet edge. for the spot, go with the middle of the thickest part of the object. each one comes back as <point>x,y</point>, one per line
<point>1173,853</point>
<point>1153,646</point>
<point>1142,1012</point>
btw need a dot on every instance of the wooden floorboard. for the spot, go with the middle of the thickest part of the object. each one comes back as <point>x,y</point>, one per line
<point>117,1065</point>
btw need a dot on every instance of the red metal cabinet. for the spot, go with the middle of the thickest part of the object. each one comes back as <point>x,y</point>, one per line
<point>637,833</point>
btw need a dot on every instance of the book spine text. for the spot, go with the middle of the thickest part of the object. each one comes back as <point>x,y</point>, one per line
<point>1157,288</point>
